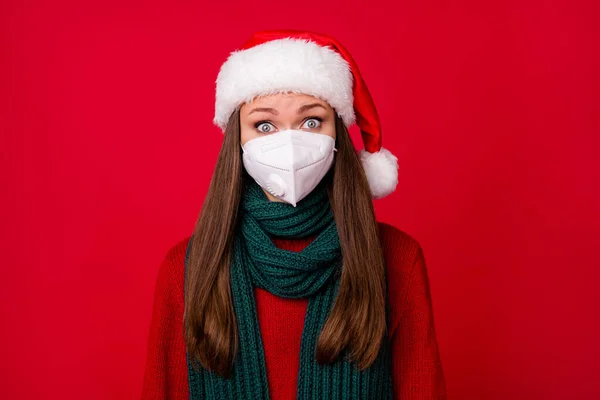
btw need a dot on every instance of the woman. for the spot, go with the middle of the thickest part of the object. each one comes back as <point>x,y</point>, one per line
<point>289,287</point>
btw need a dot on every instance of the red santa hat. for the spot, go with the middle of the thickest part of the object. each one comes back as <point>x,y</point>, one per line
<point>278,61</point>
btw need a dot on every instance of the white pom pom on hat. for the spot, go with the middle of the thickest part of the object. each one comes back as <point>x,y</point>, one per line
<point>277,61</point>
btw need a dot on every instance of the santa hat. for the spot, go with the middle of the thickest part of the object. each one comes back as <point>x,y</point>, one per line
<point>277,61</point>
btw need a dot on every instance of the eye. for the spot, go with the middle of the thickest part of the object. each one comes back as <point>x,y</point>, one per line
<point>264,127</point>
<point>312,123</point>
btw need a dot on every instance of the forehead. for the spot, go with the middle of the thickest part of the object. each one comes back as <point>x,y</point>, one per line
<point>283,101</point>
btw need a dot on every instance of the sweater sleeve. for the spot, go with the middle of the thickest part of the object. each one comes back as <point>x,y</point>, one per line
<point>417,368</point>
<point>165,375</point>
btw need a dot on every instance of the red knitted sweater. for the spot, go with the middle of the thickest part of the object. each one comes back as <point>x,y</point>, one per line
<point>417,369</point>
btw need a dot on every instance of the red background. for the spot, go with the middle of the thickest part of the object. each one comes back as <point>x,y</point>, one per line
<point>107,149</point>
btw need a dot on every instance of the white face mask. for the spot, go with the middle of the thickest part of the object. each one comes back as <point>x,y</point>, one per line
<point>290,163</point>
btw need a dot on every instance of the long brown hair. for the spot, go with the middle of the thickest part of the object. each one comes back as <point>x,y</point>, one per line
<point>357,321</point>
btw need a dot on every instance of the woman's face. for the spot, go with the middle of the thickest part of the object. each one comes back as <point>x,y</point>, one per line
<point>273,113</point>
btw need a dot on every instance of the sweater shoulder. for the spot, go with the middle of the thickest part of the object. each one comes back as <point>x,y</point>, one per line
<point>400,251</point>
<point>172,267</point>
<point>400,248</point>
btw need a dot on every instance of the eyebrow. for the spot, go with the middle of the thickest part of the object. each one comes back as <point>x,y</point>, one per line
<point>264,109</point>
<point>273,111</point>
<point>308,107</point>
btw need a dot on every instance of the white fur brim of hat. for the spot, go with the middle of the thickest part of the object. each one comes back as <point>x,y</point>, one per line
<point>284,65</point>
<point>299,66</point>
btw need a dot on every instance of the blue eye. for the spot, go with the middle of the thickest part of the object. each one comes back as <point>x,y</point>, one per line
<point>312,123</point>
<point>264,127</point>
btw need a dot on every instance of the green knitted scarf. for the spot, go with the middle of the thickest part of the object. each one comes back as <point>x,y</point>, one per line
<point>314,273</point>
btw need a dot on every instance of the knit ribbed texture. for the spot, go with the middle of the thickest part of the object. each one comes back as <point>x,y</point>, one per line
<point>313,273</point>
<point>416,366</point>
